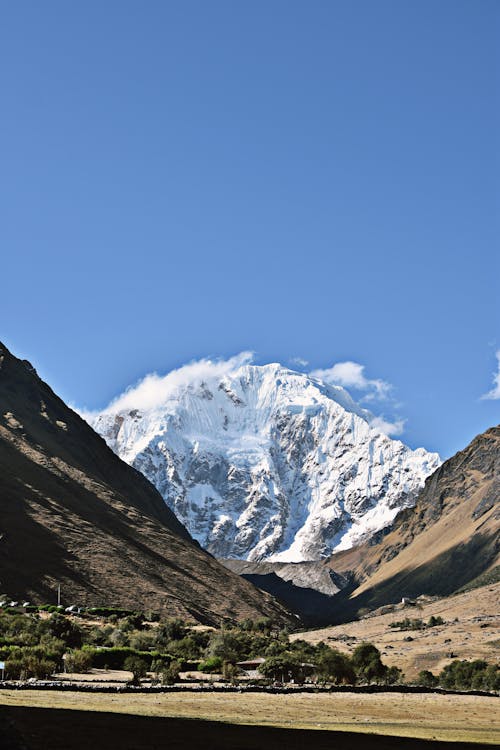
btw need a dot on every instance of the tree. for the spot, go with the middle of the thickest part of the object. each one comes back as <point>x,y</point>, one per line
<point>78,661</point>
<point>427,679</point>
<point>393,675</point>
<point>283,668</point>
<point>65,630</point>
<point>137,666</point>
<point>158,666</point>
<point>336,667</point>
<point>170,630</point>
<point>367,663</point>
<point>463,675</point>
<point>211,665</point>
<point>226,645</point>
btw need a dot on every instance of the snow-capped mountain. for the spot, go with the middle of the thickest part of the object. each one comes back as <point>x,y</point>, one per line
<point>260,462</point>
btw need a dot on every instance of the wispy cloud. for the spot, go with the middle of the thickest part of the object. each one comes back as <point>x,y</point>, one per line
<point>352,375</point>
<point>495,391</point>
<point>393,429</point>
<point>299,362</point>
<point>153,390</point>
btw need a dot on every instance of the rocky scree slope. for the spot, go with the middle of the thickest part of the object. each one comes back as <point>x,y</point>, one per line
<point>73,513</point>
<point>268,464</point>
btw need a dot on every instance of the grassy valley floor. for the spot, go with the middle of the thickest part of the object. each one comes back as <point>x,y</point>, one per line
<point>64,720</point>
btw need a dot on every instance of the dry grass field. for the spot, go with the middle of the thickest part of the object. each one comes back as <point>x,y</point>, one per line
<point>426,716</point>
<point>471,631</point>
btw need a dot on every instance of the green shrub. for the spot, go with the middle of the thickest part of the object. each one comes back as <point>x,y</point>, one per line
<point>211,665</point>
<point>29,665</point>
<point>78,661</point>
<point>408,624</point>
<point>427,679</point>
<point>137,666</point>
<point>433,621</point>
<point>467,675</point>
<point>170,673</point>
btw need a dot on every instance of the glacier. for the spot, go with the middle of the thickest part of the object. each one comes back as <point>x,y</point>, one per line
<point>263,463</point>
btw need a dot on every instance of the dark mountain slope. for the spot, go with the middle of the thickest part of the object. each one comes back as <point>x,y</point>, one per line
<point>73,513</point>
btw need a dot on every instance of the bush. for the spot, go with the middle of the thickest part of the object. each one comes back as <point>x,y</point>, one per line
<point>433,621</point>
<point>408,624</point>
<point>78,661</point>
<point>211,665</point>
<point>170,630</point>
<point>467,675</point>
<point>142,641</point>
<point>393,676</point>
<point>66,630</point>
<point>29,665</point>
<point>427,679</point>
<point>170,675</point>
<point>108,611</point>
<point>114,658</point>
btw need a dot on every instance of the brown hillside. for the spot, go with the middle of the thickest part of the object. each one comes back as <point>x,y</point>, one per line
<point>470,630</point>
<point>73,513</point>
<point>449,538</point>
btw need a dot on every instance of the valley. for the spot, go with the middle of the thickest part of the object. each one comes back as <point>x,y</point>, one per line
<point>393,552</point>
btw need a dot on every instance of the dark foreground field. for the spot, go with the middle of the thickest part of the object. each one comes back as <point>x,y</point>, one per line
<point>25,728</point>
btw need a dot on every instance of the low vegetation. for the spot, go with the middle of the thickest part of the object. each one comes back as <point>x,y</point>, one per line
<point>40,643</point>
<point>416,624</point>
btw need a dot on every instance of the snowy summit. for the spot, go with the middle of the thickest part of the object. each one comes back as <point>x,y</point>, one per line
<point>263,463</point>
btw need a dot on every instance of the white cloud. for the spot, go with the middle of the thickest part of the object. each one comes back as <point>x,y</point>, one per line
<point>388,428</point>
<point>154,389</point>
<point>495,391</point>
<point>352,375</point>
<point>299,362</point>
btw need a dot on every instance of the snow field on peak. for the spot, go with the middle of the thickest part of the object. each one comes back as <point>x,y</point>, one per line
<point>266,463</point>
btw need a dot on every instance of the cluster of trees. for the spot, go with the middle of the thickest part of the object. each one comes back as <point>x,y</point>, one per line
<point>35,646</point>
<point>302,660</point>
<point>417,624</point>
<point>464,675</point>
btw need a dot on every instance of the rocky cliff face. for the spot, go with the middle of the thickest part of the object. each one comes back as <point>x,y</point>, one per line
<point>267,463</point>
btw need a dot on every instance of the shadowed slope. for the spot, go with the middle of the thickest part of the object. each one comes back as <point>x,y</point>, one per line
<point>73,513</point>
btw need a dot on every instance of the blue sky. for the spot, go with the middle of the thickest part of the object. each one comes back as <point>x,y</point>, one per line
<point>313,180</point>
